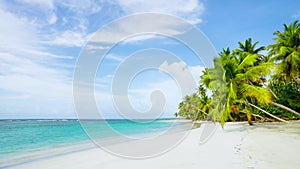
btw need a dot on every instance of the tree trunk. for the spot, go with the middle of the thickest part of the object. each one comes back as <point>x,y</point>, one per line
<point>267,113</point>
<point>280,105</point>
<point>271,91</point>
<point>285,108</point>
<point>255,115</point>
<point>248,113</point>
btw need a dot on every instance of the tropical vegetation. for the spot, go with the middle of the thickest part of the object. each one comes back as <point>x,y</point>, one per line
<point>250,82</point>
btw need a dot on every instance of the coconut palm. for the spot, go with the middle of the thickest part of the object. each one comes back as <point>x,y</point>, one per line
<point>235,81</point>
<point>250,48</point>
<point>195,106</point>
<point>188,108</point>
<point>205,102</point>
<point>286,53</point>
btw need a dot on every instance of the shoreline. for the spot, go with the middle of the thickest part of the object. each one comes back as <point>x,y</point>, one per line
<point>238,145</point>
<point>53,150</point>
<point>20,158</point>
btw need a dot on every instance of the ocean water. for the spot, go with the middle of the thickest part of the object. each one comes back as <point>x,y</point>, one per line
<point>21,136</point>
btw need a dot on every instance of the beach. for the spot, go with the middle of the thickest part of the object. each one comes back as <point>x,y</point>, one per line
<point>238,145</point>
<point>157,84</point>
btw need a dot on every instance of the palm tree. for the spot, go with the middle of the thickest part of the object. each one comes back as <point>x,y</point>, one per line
<point>286,53</point>
<point>247,46</point>
<point>237,78</point>
<point>195,106</point>
<point>236,81</point>
<point>188,108</point>
<point>205,101</point>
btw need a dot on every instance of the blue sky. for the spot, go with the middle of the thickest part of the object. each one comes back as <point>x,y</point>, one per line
<point>41,41</point>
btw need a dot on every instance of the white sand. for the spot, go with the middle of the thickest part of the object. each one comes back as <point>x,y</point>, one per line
<point>237,146</point>
<point>273,145</point>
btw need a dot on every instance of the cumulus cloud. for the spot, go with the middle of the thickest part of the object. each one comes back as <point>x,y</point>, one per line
<point>181,82</point>
<point>186,76</point>
<point>174,80</point>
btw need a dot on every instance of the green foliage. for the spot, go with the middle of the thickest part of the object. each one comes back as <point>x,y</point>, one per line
<point>238,78</point>
<point>195,106</point>
<point>286,53</point>
<point>287,95</point>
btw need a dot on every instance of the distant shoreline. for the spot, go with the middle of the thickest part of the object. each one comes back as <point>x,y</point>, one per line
<point>88,119</point>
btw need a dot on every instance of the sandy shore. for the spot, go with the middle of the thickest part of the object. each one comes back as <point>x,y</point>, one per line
<point>268,145</point>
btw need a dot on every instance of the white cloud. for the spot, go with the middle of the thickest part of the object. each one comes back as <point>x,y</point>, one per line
<point>46,4</point>
<point>17,33</point>
<point>114,57</point>
<point>43,88</point>
<point>26,60</point>
<point>182,80</point>
<point>82,7</point>
<point>139,95</point>
<point>24,76</point>
<point>186,77</point>
<point>52,19</point>
<point>138,38</point>
<point>28,84</point>
<point>43,54</point>
<point>69,38</point>
<point>172,88</point>
<point>46,10</point>
<point>94,47</point>
<point>127,28</point>
<point>27,76</point>
<point>24,96</point>
<point>48,27</point>
<point>196,71</point>
<point>190,10</point>
<point>12,64</point>
<point>21,37</point>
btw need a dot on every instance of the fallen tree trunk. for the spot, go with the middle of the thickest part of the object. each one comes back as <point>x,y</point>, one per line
<point>280,105</point>
<point>267,113</point>
<point>285,108</point>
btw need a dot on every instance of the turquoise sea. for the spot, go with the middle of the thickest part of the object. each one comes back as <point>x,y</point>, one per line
<point>27,136</point>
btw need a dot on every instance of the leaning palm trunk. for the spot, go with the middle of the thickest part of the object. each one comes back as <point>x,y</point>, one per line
<point>285,108</point>
<point>280,105</point>
<point>271,91</point>
<point>267,113</point>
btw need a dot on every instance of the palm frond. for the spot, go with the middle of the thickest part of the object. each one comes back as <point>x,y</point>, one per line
<point>262,95</point>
